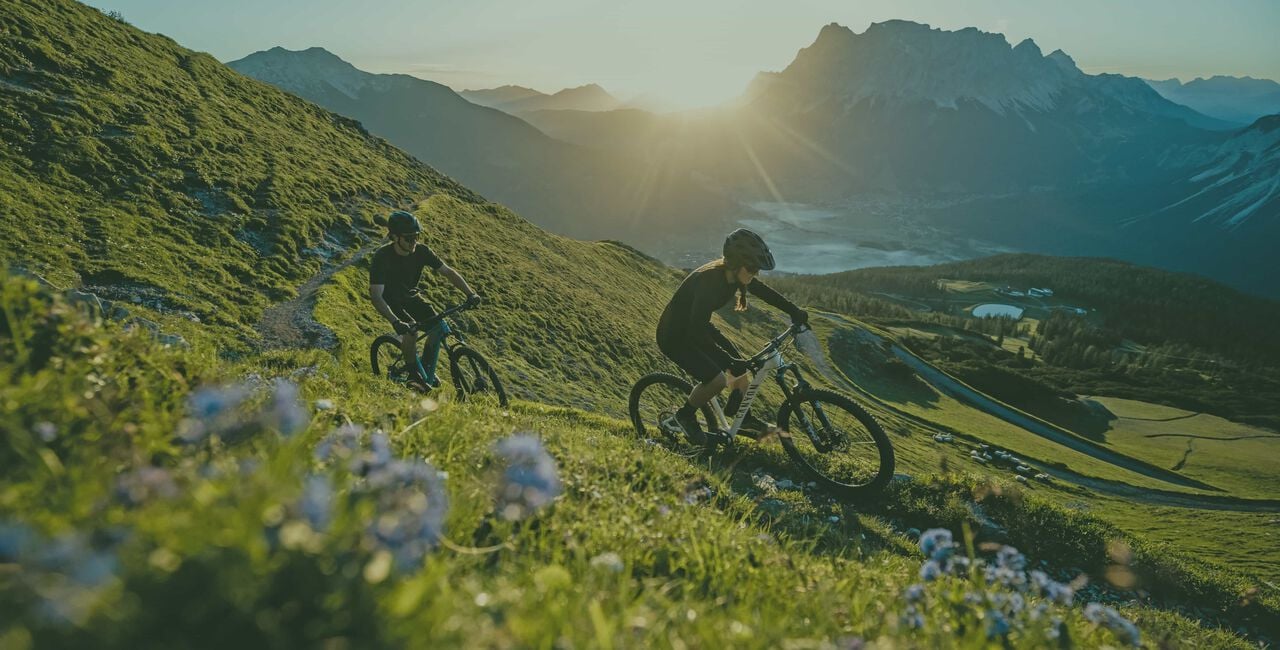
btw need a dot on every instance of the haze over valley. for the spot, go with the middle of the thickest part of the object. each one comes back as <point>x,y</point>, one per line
<point>918,144</point>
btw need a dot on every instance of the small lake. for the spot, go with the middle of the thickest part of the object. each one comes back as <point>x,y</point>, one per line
<point>992,310</point>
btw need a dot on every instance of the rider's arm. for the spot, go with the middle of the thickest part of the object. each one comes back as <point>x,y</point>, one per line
<point>380,303</point>
<point>777,300</point>
<point>723,342</point>
<point>455,279</point>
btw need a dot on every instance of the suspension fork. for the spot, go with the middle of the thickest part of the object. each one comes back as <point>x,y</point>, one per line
<point>819,441</point>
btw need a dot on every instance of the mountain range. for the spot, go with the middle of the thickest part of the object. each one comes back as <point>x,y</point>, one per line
<point>518,99</point>
<point>578,191</point>
<point>1240,100</point>
<point>1020,148</point>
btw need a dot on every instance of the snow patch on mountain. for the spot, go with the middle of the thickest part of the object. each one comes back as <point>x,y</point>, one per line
<point>1242,176</point>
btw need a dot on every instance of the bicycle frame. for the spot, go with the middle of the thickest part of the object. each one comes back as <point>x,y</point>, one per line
<point>770,363</point>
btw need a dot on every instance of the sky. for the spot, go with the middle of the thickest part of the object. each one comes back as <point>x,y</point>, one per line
<point>691,53</point>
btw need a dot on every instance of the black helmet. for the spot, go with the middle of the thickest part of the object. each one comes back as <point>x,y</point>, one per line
<point>402,223</point>
<point>745,248</point>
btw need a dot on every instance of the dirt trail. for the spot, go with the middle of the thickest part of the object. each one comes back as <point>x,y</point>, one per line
<point>1106,486</point>
<point>292,323</point>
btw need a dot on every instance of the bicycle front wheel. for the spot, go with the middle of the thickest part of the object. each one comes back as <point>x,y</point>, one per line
<point>474,379</point>
<point>386,358</point>
<point>836,442</point>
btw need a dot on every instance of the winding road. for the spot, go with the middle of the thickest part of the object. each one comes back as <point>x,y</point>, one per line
<point>951,386</point>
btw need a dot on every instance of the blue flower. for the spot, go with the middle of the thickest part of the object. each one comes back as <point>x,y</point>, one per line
<point>285,412</point>
<point>529,481</point>
<point>997,624</point>
<point>930,571</point>
<point>936,543</point>
<point>316,503</point>
<point>914,593</point>
<point>1109,618</point>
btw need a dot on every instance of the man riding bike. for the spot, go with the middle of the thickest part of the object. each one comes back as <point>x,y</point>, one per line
<point>393,280</point>
<point>687,337</point>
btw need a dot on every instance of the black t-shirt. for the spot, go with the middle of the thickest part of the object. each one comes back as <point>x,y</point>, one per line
<point>400,273</point>
<point>688,315</point>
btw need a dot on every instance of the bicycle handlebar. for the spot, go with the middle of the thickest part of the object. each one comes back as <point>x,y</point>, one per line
<point>759,358</point>
<point>461,307</point>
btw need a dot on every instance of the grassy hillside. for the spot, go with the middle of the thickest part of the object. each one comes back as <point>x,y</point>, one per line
<point>223,495</point>
<point>153,175</point>
<point>116,533</point>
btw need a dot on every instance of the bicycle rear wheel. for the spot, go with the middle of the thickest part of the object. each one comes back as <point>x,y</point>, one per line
<point>653,404</point>
<point>836,442</point>
<point>474,379</point>
<point>387,359</point>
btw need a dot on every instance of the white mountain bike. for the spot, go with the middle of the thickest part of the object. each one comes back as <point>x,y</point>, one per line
<point>833,439</point>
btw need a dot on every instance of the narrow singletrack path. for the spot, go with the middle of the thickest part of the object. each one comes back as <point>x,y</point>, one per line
<point>292,323</point>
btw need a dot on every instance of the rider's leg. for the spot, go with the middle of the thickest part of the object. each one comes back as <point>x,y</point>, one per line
<point>702,393</point>
<point>431,354</point>
<point>737,386</point>
<point>408,349</point>
<point>422,312</point>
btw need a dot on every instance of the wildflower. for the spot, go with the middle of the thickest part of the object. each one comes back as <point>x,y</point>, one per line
<point>66,574</point>
<point>912,618</point>
<point>1048,588</point>
<point>930,571</point>
<point>936,543</point>
<point>411,503</point>
<point>997,624</point>
<point>609,562</point>
<point>212,402</point>
<point>144,484</point>
<point>212,410</point>
<point>1109,618</point>
<point>317,502</point>
<point>1008,557</point>
<point>341,443</point>
<point>529,480</point>
<point>46,431</point>
<point>285,412</point>
<point>914,593</point>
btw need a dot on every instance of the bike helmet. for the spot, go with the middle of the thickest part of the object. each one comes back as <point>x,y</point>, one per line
<point>745,248</point>
<point>403,223</point>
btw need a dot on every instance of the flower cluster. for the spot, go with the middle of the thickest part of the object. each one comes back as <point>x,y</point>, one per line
<point>409,497</point>
<point>223,410</point>
<point>529,479</point>
<point>1002,588</point>
<point>1109,618</point>
<point>67,575</point>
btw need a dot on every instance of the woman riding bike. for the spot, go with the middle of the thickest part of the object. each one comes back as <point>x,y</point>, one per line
<point>687,337</point>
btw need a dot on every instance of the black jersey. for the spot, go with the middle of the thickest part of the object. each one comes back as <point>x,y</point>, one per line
<point>399,274</point>
<point>687,318</point>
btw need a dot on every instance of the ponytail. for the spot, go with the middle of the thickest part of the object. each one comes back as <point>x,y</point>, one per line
<point>742,290</point>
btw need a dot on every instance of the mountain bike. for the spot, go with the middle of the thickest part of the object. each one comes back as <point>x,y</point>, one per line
<point>833,439</point>
<point>473,378</point>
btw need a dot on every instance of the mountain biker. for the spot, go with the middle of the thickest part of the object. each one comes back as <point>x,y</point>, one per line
<point>687,337</point>
<point>393,279</point>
